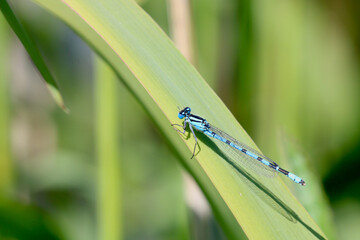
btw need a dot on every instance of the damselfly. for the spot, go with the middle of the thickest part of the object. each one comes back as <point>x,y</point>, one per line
<point>253,156</point>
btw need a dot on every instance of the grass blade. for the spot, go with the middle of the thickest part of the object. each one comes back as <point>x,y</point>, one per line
<point>33,52</point>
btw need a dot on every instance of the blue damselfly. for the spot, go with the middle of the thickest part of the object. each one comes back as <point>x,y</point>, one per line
<point>252,156</point>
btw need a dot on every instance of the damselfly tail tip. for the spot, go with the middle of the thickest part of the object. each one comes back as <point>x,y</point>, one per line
<point>302,182</point>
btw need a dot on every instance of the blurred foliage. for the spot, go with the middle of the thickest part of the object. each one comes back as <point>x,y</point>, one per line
<point>288,70</point>
<point>6,170</point>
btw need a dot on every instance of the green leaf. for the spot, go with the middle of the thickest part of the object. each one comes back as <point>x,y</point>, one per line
<point>33,52</point>
<point>161,79</point>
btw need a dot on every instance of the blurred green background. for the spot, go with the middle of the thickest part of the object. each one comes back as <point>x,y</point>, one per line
<point>294,64</point>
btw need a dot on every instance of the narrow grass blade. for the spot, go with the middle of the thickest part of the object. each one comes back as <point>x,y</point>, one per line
<point>33,52</point>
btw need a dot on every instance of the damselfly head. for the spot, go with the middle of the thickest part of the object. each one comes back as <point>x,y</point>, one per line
<point>184,113</point>
<point>302,182</point>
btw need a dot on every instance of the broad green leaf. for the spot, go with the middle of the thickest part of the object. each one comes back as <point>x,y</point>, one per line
<point>162,80</point>
<point>33,52</point>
